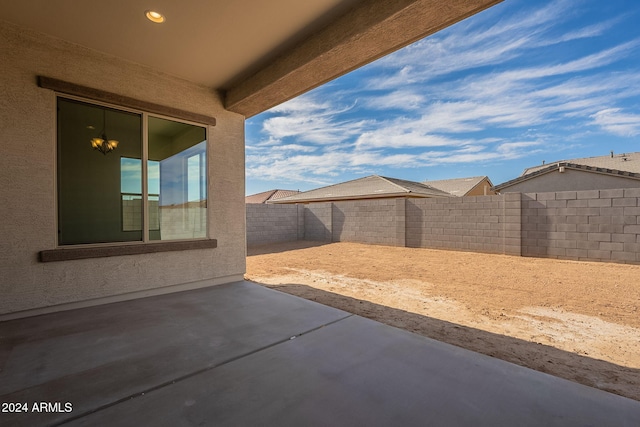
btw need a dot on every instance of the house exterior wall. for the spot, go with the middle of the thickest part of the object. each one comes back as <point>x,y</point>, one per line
<point>273,223</point>
<point>571,180</point>
<point>28,176</point>
<point>482,189</point>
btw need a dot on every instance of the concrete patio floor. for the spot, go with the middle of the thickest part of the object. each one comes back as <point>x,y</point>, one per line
<point>240,354</point>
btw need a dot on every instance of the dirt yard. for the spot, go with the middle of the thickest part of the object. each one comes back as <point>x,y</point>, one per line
<point>575,320</point>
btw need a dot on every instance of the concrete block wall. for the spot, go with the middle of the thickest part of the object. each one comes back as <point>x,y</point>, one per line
<point>478,223</point>
<point>273,223</point>
<point>512,224</point>
<point>594,225</point>
<point>317,222</point>
<point>369,221</point>
<point>301,227</point>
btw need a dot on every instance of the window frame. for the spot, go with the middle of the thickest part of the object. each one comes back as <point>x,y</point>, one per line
<point>92,249</point>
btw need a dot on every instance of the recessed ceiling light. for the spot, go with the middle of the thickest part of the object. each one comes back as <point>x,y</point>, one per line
<point>154,16</point>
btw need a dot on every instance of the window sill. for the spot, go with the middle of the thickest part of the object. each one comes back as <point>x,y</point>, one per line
<point>71,253</point>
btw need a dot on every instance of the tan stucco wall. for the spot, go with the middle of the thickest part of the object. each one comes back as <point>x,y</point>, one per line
<point>27,174</point>
<point>571,180</point>
<point>480,190</point>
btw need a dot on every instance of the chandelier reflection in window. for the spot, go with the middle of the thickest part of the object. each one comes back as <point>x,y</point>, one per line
<point>103,144</point>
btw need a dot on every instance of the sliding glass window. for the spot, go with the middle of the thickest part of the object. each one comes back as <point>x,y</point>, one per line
<point>102,160</point>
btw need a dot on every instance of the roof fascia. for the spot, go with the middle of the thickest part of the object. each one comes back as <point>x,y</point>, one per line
<point>523,178</point>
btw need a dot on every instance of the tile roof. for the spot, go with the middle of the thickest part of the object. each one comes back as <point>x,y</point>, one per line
<point>623,165</point>
<point>627,162</point>
<point>373,186</point>
<point>457,186</point>
<point>268,196</point>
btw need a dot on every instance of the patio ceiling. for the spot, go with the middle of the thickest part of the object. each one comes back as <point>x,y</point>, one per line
<point>259,53</point>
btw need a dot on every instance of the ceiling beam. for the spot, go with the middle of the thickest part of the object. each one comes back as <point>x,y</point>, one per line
<point>365,33</point>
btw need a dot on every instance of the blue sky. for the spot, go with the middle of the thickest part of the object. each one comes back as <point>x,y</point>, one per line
<point>522,82</point>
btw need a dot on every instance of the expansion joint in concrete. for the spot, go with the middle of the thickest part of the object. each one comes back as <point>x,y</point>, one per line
<point>199,371</point>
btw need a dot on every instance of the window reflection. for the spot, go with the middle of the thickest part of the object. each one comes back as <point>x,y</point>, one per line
<point>131,191</point>
<point>180,152</point>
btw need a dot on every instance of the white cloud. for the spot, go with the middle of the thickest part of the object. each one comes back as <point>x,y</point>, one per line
<point>589,31</point>
<point>320,168</point>
<point>615,121</point>
<point>404,99</point>
<point>502,151</point>
<point>294,148</point>
<point>403,134</point>
<point>468,95</point>
<point>306,119</point>
<point>516,147</point>
<point>472,44</point>
<point>585,63</point>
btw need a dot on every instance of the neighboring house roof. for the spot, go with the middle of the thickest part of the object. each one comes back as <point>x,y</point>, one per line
<point>628,162</point>
<point>458,186</point>
<point>621,165</point>
<point>268,196</point>
<point>370,187</point>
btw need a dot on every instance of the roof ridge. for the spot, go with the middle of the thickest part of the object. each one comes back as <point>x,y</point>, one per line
<point>426,186</point>
<point>455,179</point>
<point>421,184</point>
<point>338,183</point>
<point>406,190</point>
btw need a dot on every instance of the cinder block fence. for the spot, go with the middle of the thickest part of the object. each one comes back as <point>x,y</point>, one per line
<point>598,225</point>
<point>274,223</point>
<point>489,224</point>
<point>602,225</point>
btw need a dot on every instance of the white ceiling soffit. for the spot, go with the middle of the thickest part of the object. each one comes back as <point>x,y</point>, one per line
<point>209,42</point>
<point>258,52</point>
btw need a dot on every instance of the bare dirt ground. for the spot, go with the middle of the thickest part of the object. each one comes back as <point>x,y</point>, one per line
<point>575,320</point>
